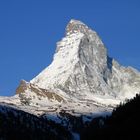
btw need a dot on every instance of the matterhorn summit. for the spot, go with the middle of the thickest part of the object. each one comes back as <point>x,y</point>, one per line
<point>82,69</point>
<point>82,78</point>
<point>79,64</point>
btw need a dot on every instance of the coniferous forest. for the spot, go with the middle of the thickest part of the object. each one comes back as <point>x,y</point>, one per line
<point>124,123</point>
<point>20,125</point>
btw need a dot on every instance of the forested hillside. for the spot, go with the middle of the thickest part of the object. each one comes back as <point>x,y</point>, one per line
<point>124,123</point>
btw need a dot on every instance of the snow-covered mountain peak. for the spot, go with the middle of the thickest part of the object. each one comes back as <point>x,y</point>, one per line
<point>77,26</point>
<point>74,21</point>
<point>81,71</point>
<point>82,68</point>
<point>79,55</point>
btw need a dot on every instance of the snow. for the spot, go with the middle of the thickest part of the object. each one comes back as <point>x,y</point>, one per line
<point>52,109</point>
<point>62,65</point>
<point>10,100</point>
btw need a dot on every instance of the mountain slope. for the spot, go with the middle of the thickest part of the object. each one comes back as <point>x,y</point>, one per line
<point>82,69</point>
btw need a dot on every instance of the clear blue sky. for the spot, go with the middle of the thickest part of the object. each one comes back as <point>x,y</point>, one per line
<point>29,30</point>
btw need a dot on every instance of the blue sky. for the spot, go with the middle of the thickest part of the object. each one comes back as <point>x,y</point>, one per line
<point>29,30</point>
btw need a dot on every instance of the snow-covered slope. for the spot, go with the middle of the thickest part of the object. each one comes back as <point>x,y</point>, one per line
<point>82,79</point>
<point>82,69</point>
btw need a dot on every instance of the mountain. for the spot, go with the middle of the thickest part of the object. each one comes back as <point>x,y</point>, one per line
<point>82,81</point>
<point>82,70</point>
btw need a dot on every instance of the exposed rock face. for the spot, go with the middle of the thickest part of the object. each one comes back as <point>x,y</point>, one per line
<point>22,87</point>
<point>82,69</point>
<point>28,91</point>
